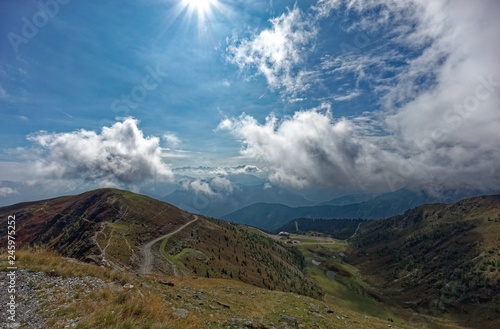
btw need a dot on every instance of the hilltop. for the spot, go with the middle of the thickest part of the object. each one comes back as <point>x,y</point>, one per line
<point>130,232</point>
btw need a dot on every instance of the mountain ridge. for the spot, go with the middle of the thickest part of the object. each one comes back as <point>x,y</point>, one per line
<point>437,258</point>
<point>217,205</point>
<point>109,227</point>
<point>379,207</point>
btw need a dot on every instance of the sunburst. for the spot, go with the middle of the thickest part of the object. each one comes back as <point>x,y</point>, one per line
<point>203,11</point>
<point>201,8</point>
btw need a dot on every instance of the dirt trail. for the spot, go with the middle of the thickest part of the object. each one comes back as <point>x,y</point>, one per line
<point>147,264</point>
<point>356,232</point>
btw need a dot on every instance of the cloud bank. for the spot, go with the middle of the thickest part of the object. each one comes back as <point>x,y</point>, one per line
<point>312,148</point>
<point>437,123</point>
<point>118,155</point>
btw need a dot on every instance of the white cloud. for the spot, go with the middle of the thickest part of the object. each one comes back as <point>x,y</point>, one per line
<point>311,148</point>
<point>219,172</point>
<point>347,97</point>
<point>277,52</point>
<point>210,172</point>
<point>199,186</point>
<point>314,149</point>
<point>222,185</point>
<point>323,8</point>
<point>120,154</point>
<point>246,169</point>
<point>437,76</point>
<point>4,191</point>
<point>172,140</point>
<point>214,187</point>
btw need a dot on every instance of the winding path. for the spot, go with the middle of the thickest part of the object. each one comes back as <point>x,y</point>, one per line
<point>147,264</point>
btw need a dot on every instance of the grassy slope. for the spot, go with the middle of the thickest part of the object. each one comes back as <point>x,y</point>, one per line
<point>220,250</point>
<point>438,259</point>
<point>105,223</point>
<point>212,303</point>
<point>349,289</point>
<point>217,249</point>
<point>108,226</point>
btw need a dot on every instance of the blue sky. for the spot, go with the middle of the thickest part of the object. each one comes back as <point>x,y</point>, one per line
<point>341,94</point>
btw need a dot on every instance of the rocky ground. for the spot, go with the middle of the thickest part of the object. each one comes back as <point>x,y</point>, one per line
<point>35,296</point>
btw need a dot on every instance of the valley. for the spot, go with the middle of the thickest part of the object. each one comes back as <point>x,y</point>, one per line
<point>140,263</point>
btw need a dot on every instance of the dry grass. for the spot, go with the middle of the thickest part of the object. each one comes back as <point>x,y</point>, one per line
<point>211,303</point>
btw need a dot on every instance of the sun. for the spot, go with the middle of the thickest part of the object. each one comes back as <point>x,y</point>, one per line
<point>202,8</point>
<point>198,4</point>
<point>204,11</point>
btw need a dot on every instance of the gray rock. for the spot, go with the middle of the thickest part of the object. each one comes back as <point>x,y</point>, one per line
<point>181,312</point>
<point>290,319</point>
<point>167,283</point>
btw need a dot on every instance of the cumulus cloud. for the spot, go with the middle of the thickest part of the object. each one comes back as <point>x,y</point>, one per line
<point>277,52</point>
<point>437,78</point>
<point>213,187</point>
<point>310,148</point>
<point>119,154</point>
<point>4,191</point>
<point>198,186</point>
<point>221,185</point>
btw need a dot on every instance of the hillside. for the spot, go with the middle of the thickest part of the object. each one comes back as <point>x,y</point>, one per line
<point>127,231</point>
<point>63,293</point>
<point>166,268</point>
<point>336,228</point>
<point>348,199</point>
<point>272,216</point>
<point>437,258</point>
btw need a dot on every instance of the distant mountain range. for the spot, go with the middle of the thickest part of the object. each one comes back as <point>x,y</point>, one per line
<point>242,196</point>
<point>271,216</point>
<point>433,259</point>
<point>348,199</point>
